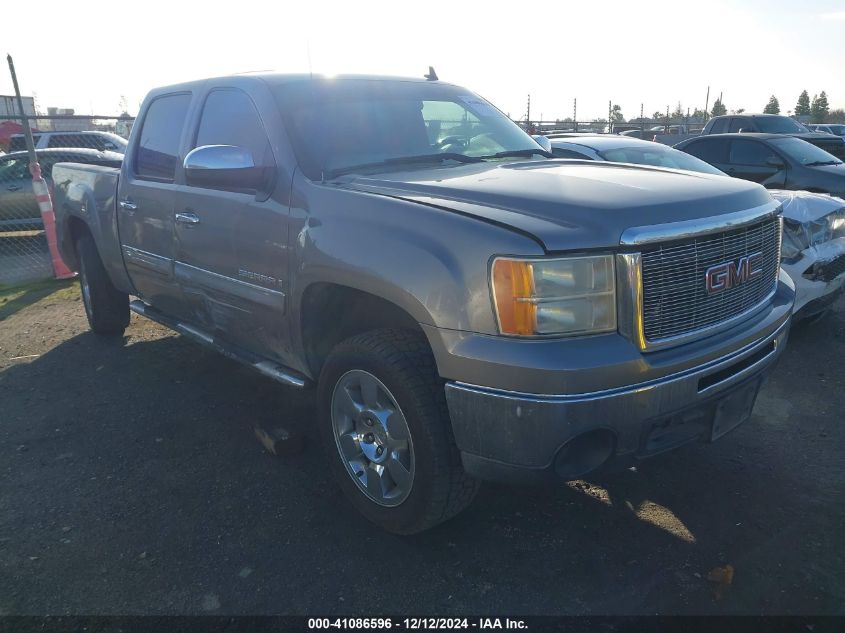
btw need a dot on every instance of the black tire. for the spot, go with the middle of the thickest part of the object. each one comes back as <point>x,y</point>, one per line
<point>402,361</point>
<point>106,307</point>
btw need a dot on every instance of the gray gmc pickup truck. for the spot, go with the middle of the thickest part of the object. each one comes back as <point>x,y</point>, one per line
<point>467,307</point>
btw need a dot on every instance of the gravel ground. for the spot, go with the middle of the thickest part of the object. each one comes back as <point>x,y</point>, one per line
<point>131,482</point>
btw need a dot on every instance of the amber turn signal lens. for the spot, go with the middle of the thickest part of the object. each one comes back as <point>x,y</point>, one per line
<point>513,286</point>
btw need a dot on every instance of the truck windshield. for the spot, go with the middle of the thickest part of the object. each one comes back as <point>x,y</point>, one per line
<point>337,125</point>
<point>779,125</point>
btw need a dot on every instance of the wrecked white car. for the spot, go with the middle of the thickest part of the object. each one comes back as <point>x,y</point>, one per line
<point>813,251</point>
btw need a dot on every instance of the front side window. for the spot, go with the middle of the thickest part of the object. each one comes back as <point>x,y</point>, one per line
<point>336,125</point>
<point>158,148</point>
<point>14,169</point>
<point>230,118</point>
<point>740,123</point>
<point>750,153</point>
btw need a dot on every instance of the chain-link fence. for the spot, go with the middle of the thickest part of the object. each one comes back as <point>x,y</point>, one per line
<point>94,140</point>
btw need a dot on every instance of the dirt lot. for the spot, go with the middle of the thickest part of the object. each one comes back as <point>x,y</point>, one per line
<point>131,482</point>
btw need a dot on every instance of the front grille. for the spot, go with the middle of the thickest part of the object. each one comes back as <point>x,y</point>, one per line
<point>675,299</point>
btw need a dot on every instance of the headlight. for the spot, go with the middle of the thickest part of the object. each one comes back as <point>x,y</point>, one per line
<point>799,236</point>
<point>573,295</point>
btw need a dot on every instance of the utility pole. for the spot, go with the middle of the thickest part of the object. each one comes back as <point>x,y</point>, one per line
<point>528,116</point>
<point>27,131</point>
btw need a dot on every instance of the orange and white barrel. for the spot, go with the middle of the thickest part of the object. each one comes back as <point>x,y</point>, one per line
<point>45,205</point>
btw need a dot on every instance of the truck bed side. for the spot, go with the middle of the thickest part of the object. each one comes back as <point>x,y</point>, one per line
<point>85,199</point>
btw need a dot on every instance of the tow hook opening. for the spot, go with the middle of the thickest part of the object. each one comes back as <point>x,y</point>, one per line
<point>585,453</point>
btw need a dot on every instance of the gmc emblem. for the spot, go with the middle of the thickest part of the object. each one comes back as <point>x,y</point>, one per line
<point>729,274</point>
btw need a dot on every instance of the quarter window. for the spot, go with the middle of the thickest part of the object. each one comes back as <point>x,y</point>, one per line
<point>158,149</point>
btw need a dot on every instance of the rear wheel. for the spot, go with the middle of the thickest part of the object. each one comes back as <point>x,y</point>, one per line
<point>106,307</point>
<point>387,434</point>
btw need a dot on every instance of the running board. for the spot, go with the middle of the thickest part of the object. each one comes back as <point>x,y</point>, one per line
<point>269,368</point>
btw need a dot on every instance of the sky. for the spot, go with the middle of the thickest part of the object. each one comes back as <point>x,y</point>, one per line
<point>88,54</point>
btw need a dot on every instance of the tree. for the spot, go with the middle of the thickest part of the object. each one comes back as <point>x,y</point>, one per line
<point>802,108</point>
<point>820,108</point>
<point>616,114</point>
<point>773,106</point>
<point>718,108</point>
<point>836,116</point>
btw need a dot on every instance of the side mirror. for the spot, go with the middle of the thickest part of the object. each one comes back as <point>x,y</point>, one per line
<point>224,167</point>
<point>774,161</point>
<point>543,142</point>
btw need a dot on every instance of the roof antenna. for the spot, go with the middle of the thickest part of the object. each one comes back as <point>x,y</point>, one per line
<point>431,76</point>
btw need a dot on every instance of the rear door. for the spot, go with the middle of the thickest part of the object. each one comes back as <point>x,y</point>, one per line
<point>749,159</point>
<point>145,202</point>
<point>713,150</point>
<point>231,255</point>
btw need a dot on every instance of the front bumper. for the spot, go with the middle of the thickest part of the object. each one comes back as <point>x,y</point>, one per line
<point>819,276</point>
<point>519,436</point>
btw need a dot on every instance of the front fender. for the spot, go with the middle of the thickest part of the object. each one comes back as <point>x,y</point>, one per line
<point>430,262</point>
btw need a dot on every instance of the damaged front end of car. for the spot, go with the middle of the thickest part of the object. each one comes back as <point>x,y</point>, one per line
<point>813,249</point>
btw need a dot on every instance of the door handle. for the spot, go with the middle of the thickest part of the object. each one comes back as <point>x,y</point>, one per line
<point>12,188</point>
<point>187,217</point>
<point>127,205</point>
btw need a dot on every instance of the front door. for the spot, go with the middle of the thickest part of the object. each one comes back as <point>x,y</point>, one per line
<point>146,195</point>
<point>750,160</point>
<point>231,246</point>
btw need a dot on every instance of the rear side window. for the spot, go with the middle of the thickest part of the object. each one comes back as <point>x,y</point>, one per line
<point>158,149</point>
<point>230,118</point>
<point>559,152</point>
<point>90,141</point>
<point>720,126</point>
<point>712,151</point>
<point>749,153</point>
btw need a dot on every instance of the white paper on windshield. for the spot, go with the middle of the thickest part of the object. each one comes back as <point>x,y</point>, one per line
<point>479,106</point>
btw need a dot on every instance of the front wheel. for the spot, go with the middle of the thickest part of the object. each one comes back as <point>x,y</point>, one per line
<point>387,434</point>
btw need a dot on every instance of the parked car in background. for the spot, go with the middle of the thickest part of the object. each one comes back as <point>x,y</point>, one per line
<point>837,129</point>
<point>773,160</point>
<point>466,306</point>
<point>774,124</point>
<point>624,149</point>
<point>101,141</point>
<point>18,208</point>
<point>814,224</point>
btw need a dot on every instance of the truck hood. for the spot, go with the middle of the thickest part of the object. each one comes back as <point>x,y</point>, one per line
<point>566,204</point>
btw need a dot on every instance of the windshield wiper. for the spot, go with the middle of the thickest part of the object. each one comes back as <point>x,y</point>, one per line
<point>403,160</point>
<point>516,153</point>
<point>819,163</point>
